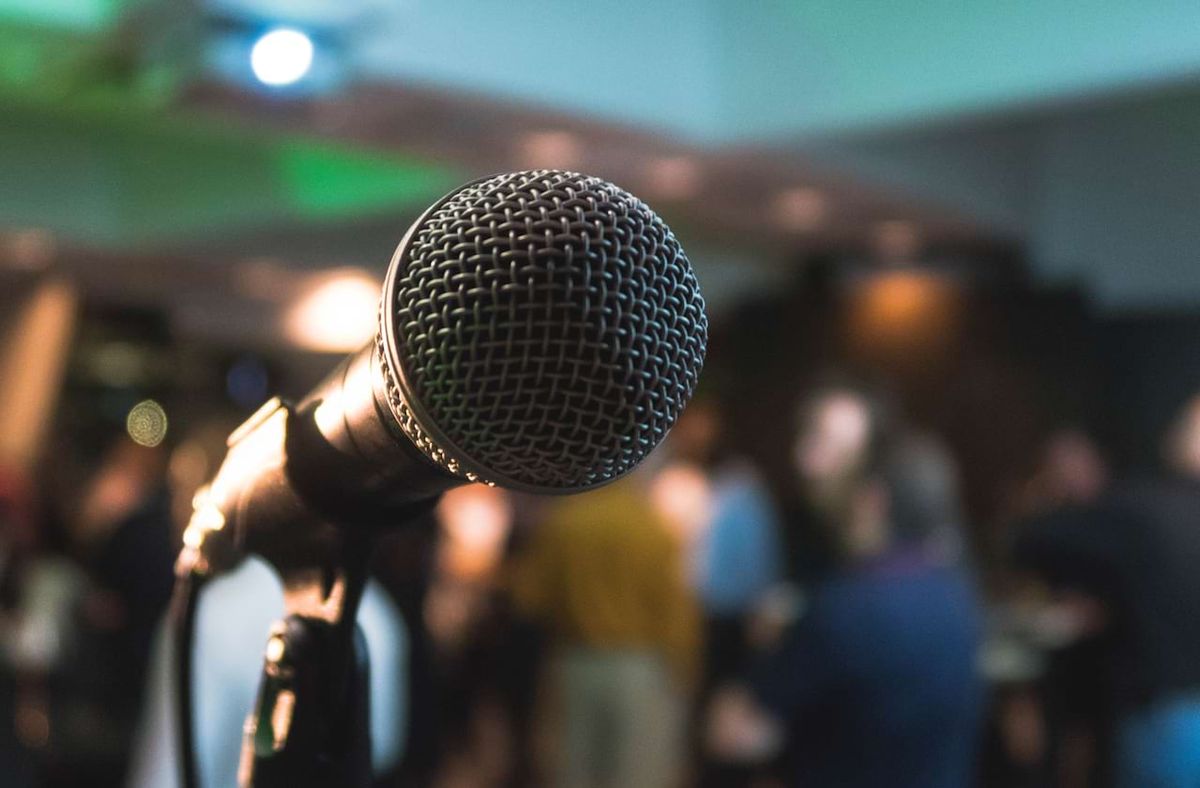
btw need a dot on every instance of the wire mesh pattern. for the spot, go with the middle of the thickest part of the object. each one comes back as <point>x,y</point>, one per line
<point>550,326</point>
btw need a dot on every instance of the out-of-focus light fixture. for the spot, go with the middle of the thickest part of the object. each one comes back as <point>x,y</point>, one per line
<point>682,496</point>
<point>674,177</point>
<point>799,210</point>
<point>476,520</point>
<point>904,315</point>
<point>558,149</point>
<point>896,241</point>
<point>281,57</point>
<point>337,314</point>
<point>147,423</point>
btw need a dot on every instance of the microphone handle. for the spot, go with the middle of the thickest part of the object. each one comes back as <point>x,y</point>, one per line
<point>337,459</point>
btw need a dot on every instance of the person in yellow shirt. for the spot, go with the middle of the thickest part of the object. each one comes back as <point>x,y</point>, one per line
<point>604,575</point>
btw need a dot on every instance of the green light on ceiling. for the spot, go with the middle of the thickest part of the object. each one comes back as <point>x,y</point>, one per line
<point>324,181</point>
<point>100,157</point>
<point>79,15</point>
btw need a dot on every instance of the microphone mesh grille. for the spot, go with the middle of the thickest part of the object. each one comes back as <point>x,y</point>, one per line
<point>550,327</point>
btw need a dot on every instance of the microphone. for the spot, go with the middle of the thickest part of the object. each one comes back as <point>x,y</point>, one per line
<point>538,330</point>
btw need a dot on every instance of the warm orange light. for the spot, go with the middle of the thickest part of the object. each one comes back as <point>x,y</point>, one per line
<point>681,494</point>
<point>33,355</point>
<point>899,299</point>
<point>903,311</point>
<point>475,520</point>
<point>337,314</point>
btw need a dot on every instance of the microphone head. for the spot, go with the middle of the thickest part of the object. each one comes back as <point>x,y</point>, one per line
<point>540,330</point>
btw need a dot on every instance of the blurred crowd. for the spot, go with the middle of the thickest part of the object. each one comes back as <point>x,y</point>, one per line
<point>688,625</point>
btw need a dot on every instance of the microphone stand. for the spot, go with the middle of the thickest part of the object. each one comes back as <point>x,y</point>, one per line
<point>310,725</point>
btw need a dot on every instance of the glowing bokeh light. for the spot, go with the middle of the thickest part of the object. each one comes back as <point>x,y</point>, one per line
<point>675,177</point>
<point>905,317</point>
<point>560,149</point>
<point>800,209</point>
<point>147,423</point>
<point>338,314</point>
<point>476,521</point>
<point>281,57</point>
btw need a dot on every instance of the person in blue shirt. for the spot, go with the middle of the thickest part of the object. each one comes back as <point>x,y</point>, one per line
<point>737,563</point>
<point>875,682</point>
<point>739,551</point>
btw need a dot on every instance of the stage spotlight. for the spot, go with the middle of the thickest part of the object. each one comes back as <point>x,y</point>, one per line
<point>281,57</point>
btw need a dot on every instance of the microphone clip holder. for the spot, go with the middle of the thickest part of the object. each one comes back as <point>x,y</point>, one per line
<point>309,727</point>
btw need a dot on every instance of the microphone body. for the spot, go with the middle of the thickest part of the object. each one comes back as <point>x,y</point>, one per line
<point>333,458</point>
<point>538,330</point>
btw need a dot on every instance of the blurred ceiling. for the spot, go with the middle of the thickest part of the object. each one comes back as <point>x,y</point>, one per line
<point>134,133</point>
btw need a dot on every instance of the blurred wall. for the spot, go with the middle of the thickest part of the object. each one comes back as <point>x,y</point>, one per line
<point>1116,196</point>
<point>1101,194</point>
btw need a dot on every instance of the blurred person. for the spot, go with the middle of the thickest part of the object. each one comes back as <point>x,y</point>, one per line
<point>735,552</point>
<point>488,655</point>
<point>1070,472</point>
<point>926,508</point>
<point>1132,560</point>
<point>875,683</point>
<point>840,427</point>
<point>471,631</point>
<point>38,589</point>
<point>121,536</point>
<point>125,532</point>
<point>235,614</point>
<point>737,546</point>
<point>605,577</point>
<point>739,563</point>
<point>29,633</point>
<point>1068,705</point>
<point>404,565</point>
<point>840,423</point>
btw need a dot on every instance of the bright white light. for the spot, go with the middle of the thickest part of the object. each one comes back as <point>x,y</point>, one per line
<point>337,314</point>
<point>281,57</point>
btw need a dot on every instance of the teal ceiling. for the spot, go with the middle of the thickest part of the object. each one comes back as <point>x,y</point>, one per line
<point>135,179</point>
<point>720,71</point>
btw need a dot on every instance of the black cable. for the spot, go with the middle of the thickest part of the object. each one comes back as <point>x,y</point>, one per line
<point>184,602</point>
